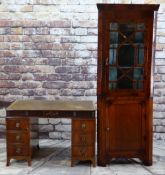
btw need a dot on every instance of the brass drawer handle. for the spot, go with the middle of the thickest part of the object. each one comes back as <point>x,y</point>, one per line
<point>18,150</point>
<point>83,140</point>
<point>17,125</point>
<point>83,126</point>
<point>17,137</point>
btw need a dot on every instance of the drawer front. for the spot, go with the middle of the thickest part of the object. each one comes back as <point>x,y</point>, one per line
<point>83,151</point>
<point>18,150</point>
<point>83,139</point>
<point>18,137</point>
<point>17,124</point>
<point>83,125</point>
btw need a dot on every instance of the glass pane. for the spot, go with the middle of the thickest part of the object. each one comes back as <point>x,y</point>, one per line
<point>139,85</point>
<point>140,55</point>
<point>113,37</point>
<point>112,85</point>
<point>113,26</point>
<point>139,37</point>
<point>140,26</point>
<point>126,56</point>
<point>127,72</point>
<point>125,77</point>
<point>125,83</point>
<point>138,74</point>
<point>112,57</point>
<point>126,31</point>
<point>113,74</point>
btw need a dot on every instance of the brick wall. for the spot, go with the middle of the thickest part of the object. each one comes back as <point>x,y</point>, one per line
<point>159,76</point>
<point>48,50</point>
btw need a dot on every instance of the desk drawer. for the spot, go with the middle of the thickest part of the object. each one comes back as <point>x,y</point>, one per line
<point>83,125</point>
<point>83,139</point>
<point>83,152</point>
<point>18,137</point>
<point>17,124</point>
<point>18,150</point>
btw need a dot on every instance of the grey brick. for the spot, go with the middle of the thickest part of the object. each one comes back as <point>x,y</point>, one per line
<point>43,121</point>
<point>46,128</point>
<point>66,121</point>
<point>2,128</point>
<point>2,121</point>
<point>66,135</point>
<point>160,129</point>
<point>62,127</point>
<point>54,121</point>
<point>2,112</point>
<point>55,135</point>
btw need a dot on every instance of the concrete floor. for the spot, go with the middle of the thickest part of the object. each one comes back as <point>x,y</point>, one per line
<point>54,159</point>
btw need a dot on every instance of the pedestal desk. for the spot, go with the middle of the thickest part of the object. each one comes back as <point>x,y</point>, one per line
<point>21,115</point>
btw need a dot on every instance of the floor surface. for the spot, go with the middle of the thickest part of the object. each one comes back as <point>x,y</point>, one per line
<point>53,158</point>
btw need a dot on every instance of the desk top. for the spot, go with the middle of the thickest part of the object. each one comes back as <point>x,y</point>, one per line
<point>58,105</point>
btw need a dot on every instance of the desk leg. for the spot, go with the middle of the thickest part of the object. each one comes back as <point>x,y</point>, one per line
<point>38,147</point>
<point>72,163</point>
<point>93,162</point>
<point>8,162</point>
<point>29,161</point>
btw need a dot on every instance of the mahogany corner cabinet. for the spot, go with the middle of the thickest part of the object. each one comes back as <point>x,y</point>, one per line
<point>124,84</point>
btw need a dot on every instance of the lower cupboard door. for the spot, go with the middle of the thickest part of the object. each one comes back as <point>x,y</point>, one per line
<point>125,129</point>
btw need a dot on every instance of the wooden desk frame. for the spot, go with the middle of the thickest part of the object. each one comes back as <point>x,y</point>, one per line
<point>20,116</point>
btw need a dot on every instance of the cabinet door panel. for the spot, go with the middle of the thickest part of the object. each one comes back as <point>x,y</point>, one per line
<point>126,131</point>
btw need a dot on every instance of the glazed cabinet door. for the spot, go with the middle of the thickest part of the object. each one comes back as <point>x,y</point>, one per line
<point>126,59</point>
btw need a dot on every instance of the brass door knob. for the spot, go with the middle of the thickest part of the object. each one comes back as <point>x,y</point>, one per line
<point>18,137</point>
